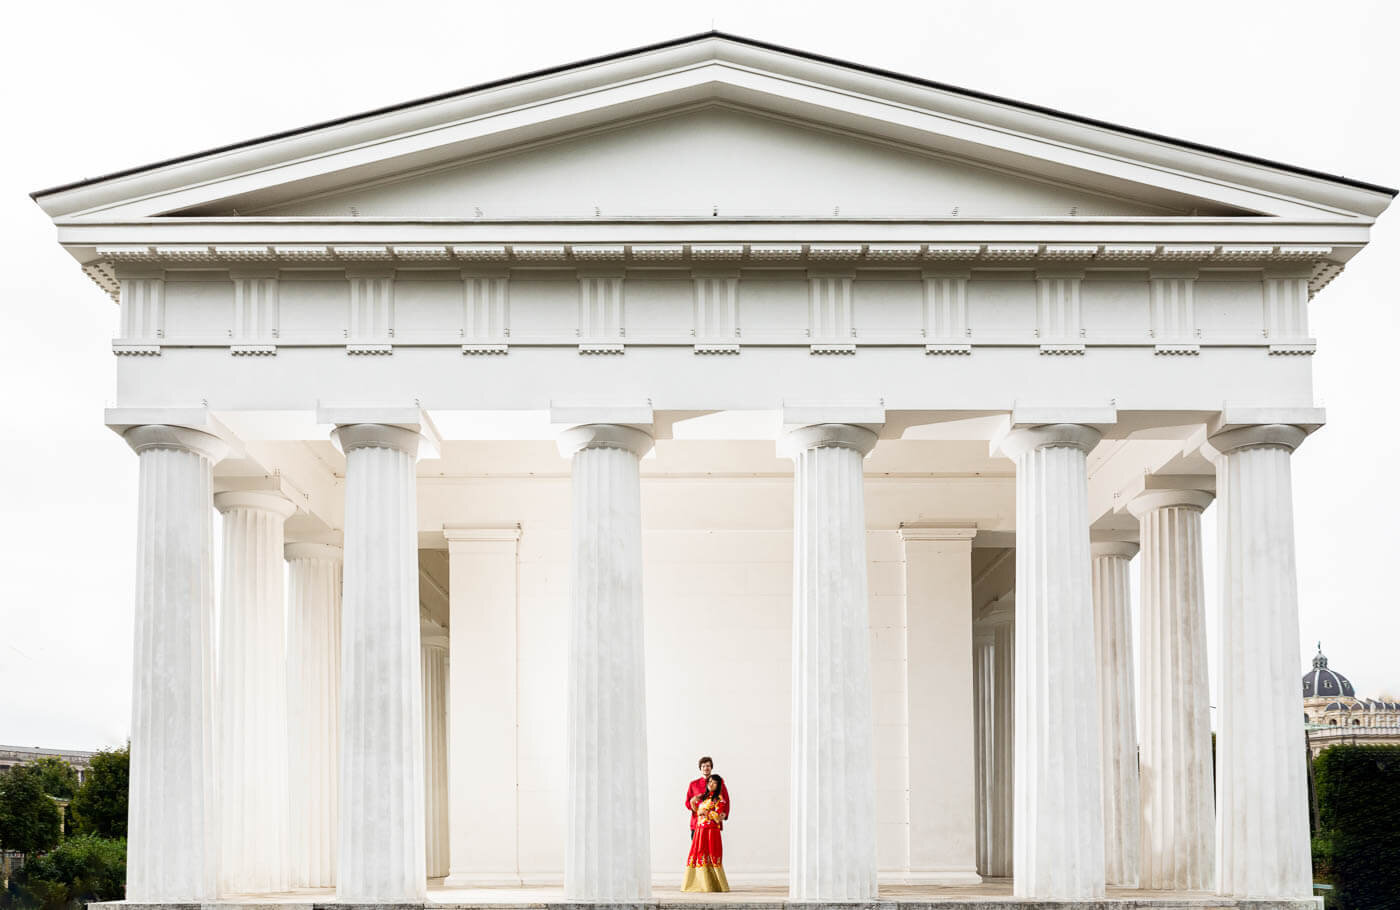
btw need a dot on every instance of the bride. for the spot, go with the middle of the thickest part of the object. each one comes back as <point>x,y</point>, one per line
<point>704,868</point>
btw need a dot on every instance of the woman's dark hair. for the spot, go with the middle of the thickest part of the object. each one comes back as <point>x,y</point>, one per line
<point>719,786</point>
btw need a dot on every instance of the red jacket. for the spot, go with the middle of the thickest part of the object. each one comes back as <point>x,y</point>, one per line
<point>697,787</point>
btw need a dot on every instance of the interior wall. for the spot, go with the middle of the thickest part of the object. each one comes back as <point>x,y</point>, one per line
<point>718,636</point>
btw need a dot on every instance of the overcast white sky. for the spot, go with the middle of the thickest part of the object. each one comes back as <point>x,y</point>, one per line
<point>90,88</point>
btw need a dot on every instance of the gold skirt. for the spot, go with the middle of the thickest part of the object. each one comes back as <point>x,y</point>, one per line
<point>705,878</point>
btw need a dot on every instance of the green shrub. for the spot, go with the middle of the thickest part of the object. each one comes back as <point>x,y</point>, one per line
<point>99,805</point>
<point>1358,792</point>
<point>81,869</point>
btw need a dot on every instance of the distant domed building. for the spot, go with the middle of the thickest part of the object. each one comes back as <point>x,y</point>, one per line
<point>1333,714</point>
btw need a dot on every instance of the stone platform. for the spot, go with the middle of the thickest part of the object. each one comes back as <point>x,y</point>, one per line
<point>990,895</point>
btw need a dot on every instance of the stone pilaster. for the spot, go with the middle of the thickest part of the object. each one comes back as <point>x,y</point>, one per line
<point>252,717</point>
<point>1000,618</point>
<point>172,826</point>
<point>832,829</point>
<point>983,668</point>
<point>1118,748</point>
<point>607,854</point>
<point>1261,796</point>
<point>313,709</point>
<point>1178,782</point>
<point>381,839</point>
<point>939,684</point>
<point>435,670</point>
<point>481,728</point>
<point>1059,837</point>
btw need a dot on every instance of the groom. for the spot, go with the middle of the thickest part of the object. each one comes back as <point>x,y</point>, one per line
<point>697,787</point>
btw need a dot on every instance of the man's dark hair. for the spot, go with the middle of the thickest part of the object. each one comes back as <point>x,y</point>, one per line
<point>703,759</point>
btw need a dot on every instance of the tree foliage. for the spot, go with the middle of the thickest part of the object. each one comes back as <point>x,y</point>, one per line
<point>82,869</point>
<point>56,776</point>
<point>99,806</point>
<point>28,816</point>
<point>1358,791</point>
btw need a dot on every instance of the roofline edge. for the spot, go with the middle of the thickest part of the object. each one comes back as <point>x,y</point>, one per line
<point>752,42</point>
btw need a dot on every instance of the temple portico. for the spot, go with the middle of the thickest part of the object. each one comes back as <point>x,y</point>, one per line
<point>827,449</point>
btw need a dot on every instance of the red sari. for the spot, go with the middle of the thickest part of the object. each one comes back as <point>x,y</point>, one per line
<point>704,868</point>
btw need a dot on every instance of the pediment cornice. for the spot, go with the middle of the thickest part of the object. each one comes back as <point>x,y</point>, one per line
<point>715,69</point>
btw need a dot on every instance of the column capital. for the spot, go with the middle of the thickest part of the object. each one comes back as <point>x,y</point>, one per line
<point>1019,440</point>
<point>1151,500</point>
<point>826,436</point>
<point>351,436</point>
<point>261,500</point>
<point>461,533</point>
<point>184,439</point>
<point>1120,549</point>
<point>1277,435</point>
<point>604,436</point>
<point>302,549</point>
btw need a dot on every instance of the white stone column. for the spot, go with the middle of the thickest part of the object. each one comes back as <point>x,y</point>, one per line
<point>435,710</point>
<point>607,856</point>
<point>313,709</point>
<point>252,718</point>
<point>1178,781</point>
<point>983,668</point>
<point>832,829</point>
<point>942,734</point>
<point>1118,747</point>
<point>1001,619</point>
<point>172,820</point>
<point>1059,849</point>
<point>381,841</point>
<point>1261,797</point>
<point>481,727</point>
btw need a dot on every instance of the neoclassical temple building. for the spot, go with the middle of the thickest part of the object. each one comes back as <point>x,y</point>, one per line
<point>713,398</point>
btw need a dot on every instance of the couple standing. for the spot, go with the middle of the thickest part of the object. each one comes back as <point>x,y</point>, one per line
<point>707,798</point>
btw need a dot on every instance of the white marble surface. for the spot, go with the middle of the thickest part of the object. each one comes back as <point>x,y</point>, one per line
<point>435,671</point>
<point>381,838</point>
<point>1059,836</point>
<point>1261,795</point>
<point>607,855</point>
<point>1178,781</point>
<point>1118,748</point>
<point>833,774</point>
<point>313,709</point>
<point>172,833</point>
<point>251,725</point>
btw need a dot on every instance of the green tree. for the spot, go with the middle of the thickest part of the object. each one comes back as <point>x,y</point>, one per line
<point>1358,792</point>
<point>82,869</point>
<point>28,816</point>
<point>99,806</point>
<point>56,776</point>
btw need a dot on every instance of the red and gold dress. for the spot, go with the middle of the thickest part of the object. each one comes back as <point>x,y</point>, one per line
<point>704,868</point>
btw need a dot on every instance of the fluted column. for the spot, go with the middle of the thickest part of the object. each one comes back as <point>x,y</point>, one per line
<point>434,657</point>
<point>172,820</point>
<point>1261,800</point>
<point>1001,619</point>
<point>381,839</point>
<point>832,829</point>
<point>607,856</point>
<point>983,688</point>
<point>1178,782</point>
<point>252,717</point>
<point>1118,748</point>
<point>1059,851</point>
<point>313,709</point>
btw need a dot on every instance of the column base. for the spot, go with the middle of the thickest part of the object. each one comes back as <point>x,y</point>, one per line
<point>941,875</point>
<point>493,880</point>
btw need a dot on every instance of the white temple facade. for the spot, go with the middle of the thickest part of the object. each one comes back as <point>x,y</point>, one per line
<point>713,398</point>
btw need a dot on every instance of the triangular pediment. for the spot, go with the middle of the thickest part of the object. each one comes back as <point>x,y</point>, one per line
<point>714,125</point>
<point>715,161</point>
